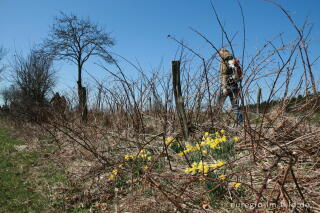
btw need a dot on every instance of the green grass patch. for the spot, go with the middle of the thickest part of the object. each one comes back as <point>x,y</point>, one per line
<point>20,188</point>
<point>16,193</point>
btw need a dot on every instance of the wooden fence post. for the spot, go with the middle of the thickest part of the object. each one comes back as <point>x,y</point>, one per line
<point>258,100</point>
<point>150,105</point>
<point>179,99</point>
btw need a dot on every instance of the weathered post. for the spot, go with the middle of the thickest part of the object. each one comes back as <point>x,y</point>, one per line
<point>258,100</point>
<point>179,99</point>
<point>150,105</point>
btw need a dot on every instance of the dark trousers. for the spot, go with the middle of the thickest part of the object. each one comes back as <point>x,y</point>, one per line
<point>233,94</point>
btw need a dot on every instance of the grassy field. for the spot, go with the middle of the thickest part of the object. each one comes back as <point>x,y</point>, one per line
<point>26,180</point>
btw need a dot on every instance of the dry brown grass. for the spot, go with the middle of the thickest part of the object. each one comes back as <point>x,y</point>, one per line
<point>275,161</point>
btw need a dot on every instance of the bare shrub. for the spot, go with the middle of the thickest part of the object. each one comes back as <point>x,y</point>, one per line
<point>33,79</point>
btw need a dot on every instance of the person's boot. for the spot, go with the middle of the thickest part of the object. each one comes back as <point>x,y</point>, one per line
<point>239,118</point>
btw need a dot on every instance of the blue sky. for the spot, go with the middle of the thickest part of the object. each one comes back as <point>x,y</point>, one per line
<point>140,27</point>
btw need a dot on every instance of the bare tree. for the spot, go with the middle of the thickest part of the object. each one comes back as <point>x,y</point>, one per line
<point>33,77</point>
<point>6,94</point>
<point>76,40</point>
<point>2,54</point>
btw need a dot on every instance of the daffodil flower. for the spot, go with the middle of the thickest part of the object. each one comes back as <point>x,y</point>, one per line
<point>111,177</point>
<point>236,185</point>
<point>222,177</point>
<point>202,179</point>
<point>169,140</point>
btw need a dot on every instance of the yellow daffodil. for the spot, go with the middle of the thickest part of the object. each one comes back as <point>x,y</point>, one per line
<point>236,139</point>
<point>217,165</point>
<point>181,154</point>
<point>188,146</point>
<point>213,146</point>
<point>202,179</point>
<point>222,177</point>
<point>236,185</point>
<point>192,170</point>
<point>203,167</point>
<point>220,163</point>
<point>198,146</point>
<point>169,140</point>
<point>143,156</point>
<point>195,164</point>
<point>111,177</point>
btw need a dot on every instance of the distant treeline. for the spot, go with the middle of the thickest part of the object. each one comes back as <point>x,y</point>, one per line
<point>290,105</point>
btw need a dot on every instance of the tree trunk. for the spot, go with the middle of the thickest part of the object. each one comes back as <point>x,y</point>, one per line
<point>99,97</point>
<point>179,99</point>
<point>82,94</point>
